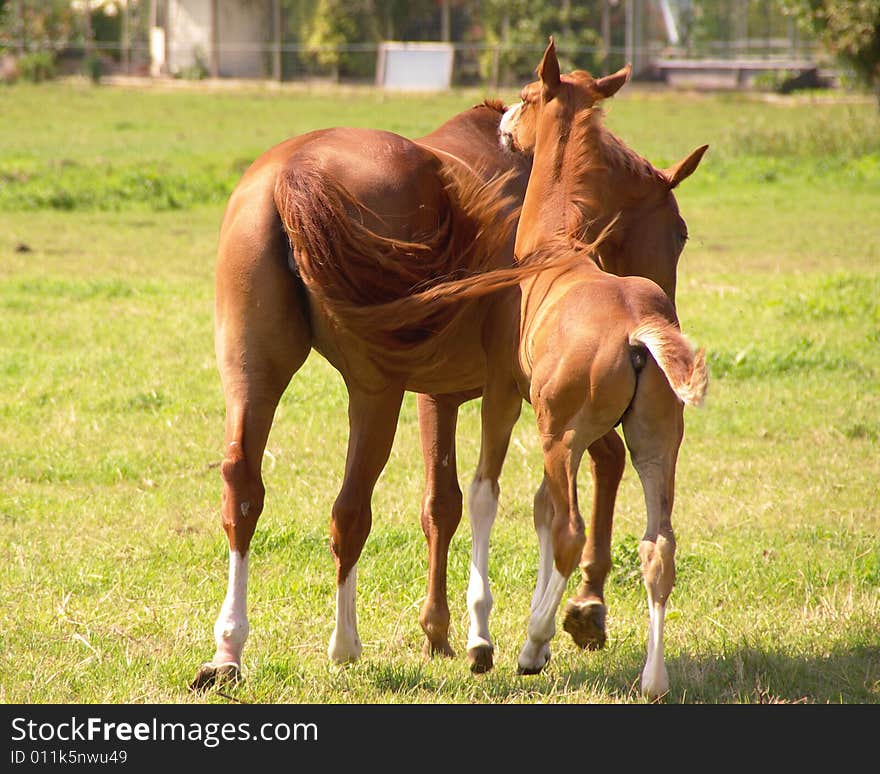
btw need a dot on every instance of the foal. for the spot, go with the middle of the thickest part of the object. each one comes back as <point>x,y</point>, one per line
<point>589,350</point>
<point>593,350</point>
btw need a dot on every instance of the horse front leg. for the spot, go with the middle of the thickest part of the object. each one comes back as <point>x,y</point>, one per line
<point>542,516</point>
<point>585,612</point>
<point>441,510</point>
<point>500,410</point>
<point>372,423</point>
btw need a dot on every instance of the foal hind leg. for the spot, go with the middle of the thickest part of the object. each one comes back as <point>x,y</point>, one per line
<point>653,429</point>
<point>441,510</point>
<point>585,613</point>
<point>372,423</point>
<point>262,337</point>
<point>561,461</point>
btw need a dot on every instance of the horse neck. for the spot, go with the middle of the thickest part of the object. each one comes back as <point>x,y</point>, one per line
<point>562,163</point>
<point>585,179</point>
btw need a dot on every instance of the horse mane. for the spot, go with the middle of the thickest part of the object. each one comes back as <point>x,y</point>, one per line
<point>493,104</point>
<point>365,280</point>
<point>598,148</point>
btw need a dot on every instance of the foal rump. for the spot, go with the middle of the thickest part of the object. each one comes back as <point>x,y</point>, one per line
<point>684,367</point>
<point>358,274</point>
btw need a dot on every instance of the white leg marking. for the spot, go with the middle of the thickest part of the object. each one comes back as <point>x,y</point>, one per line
<point>542,624</point>
<point>655,681</point>
<point>482,507</point>
<point>345,645</point>
<point>231,628</point>
<point>545,563</point>
<point>545,555</point>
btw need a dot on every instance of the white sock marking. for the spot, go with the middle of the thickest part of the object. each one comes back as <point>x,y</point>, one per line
<point>655,681</point>
<point>545,563</point>
<point>542,624</point>
<point>345,645</point>
<point>231,628</point>
<point>482,507</point>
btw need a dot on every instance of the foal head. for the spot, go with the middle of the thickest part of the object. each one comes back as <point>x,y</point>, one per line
<point>596,178</point>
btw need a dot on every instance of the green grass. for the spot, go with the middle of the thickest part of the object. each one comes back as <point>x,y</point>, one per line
<point>111,422</point>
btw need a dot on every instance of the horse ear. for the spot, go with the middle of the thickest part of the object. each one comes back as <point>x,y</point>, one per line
<point>685,168</point>
<point>611,84</point>
<point>548,71</point>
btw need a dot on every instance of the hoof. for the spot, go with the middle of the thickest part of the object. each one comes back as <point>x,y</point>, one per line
<point>211,675</point>
<point>481,658</point>
<point>525,666</point>
<point>429,650</point>
<point>343,649</point>
<point>585,622</point>
<point>655,681</point>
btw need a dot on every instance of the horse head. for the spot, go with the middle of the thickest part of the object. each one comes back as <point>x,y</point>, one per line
<point>607,181</point>
<point>519,123</point>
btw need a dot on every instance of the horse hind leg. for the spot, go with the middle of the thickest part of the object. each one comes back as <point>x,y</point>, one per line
<point>441,511</point>
<point>585,613</point>
<point>566,534</point>
<point>250,409</point>
<point>542,517</point>
<point>653,429</point>
<point>262,337</point>
<point>372,425</point>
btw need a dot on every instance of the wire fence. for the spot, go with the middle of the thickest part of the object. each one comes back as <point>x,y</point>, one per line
<point>496,65</point>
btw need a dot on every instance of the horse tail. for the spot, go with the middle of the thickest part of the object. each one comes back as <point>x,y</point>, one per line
<point>684,367</point>
<point>430,304</point>
<point>338,256</point>
<point>365,279</point>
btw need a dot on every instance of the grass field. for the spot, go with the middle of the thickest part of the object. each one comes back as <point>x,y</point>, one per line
<point>111,429</point>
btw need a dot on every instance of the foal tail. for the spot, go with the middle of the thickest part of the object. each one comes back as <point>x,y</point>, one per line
<point>685,368</point>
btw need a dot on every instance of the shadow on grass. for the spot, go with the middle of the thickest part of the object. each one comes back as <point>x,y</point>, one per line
<point>746,676</point>
<point>743,676</point>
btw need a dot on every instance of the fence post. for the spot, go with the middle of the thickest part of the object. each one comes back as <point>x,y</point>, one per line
<point>276,40</point>
<point>606,35</point>
<point>126,39</point>
<point>19,27</point>
<point>215,39</point>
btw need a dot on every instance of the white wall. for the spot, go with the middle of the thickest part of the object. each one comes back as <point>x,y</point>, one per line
<point>243,31</point>
<point>188,33</point>
<point>244,25</point>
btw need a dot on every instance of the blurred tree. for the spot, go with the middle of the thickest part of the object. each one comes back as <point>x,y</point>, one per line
<point>849,29</point>
<point>335,29</point>
<point>408,19</point>
<point>520,30</point>
<point>38,24</point>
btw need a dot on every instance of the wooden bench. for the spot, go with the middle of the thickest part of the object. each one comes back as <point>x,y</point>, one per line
<point>733,73</point>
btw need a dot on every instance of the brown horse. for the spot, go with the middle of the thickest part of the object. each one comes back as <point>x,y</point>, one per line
<point>647,238</point>
<point>593,350</point>
<point>589,350</point>
<point>398,210</point>
<point>396,196</point>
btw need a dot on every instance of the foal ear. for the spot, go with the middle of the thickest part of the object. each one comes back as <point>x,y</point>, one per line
<point>548,71</point>
<point>685,168</point>
<point>611,84</point>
